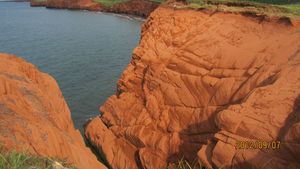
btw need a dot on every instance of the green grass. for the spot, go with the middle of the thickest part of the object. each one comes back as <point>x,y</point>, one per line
<point>157,1</point>
<point>110,3</point>
<point>265,7</point>
<point>272,1</point>
<point>21,160</point>
<point>287,6</point>
<point>196,4</point>
<point>184,164</point>
<point>292,8</point>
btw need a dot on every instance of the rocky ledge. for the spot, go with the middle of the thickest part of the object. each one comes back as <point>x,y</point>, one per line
<point>197,85</point>
<point>35,118</point>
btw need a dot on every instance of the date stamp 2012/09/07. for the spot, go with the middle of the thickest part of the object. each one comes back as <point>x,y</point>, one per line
<point>250,144</point>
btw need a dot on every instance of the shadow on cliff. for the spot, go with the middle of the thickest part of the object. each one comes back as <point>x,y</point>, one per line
<point>291,119</point>
<point>94,150</point>
<point>193,137</point>
<point>287,155</point>
<point>192,141</point>
<point>99,157</point>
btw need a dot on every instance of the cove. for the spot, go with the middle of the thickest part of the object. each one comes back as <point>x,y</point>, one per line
<point>85,52</point>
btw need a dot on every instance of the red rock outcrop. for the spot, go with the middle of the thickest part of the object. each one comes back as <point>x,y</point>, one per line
<point>34,116</point>
<point>198,83</point>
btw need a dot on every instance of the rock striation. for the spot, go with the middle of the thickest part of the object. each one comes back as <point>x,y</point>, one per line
<point>197,84</point>
<point>34,116</point>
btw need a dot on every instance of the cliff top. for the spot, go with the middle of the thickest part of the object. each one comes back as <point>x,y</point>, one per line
<point>266,8</point>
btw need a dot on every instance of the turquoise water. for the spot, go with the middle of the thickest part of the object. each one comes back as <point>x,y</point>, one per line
<point>85,51</point>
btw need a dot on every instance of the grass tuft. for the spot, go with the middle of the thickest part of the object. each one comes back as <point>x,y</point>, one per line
<point>22,160</point>
<point>184,164</point>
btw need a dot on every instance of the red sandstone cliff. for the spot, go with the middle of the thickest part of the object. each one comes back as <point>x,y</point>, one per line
<point>196,85</point>
<point>35,117</point>
<point>37,3</point>
<point>133,7</point>
<point>141,8</point>
<point>74,4</point>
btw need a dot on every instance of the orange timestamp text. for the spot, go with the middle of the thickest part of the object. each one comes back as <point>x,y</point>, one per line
<point>250,144</point>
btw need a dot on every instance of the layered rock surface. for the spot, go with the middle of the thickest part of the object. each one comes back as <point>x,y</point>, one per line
<point>34,116</point>
<point>197,83</point>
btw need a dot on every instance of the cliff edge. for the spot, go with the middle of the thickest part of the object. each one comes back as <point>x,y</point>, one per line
<point>35,118</point>
<point>198,84</point>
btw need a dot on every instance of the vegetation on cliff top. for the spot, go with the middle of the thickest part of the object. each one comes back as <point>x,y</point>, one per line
<point>110,3</point>
<point>261,7</point>
<point>288,8</point>
<point>157,1</point>
<point>22,160</point>
<point>39,0</point>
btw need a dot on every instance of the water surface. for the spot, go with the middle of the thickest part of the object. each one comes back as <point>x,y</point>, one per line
<point>85,51</point>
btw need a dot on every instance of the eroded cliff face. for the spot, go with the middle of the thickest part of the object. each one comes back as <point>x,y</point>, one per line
<point>198,83</point>
<point>34,116</point>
